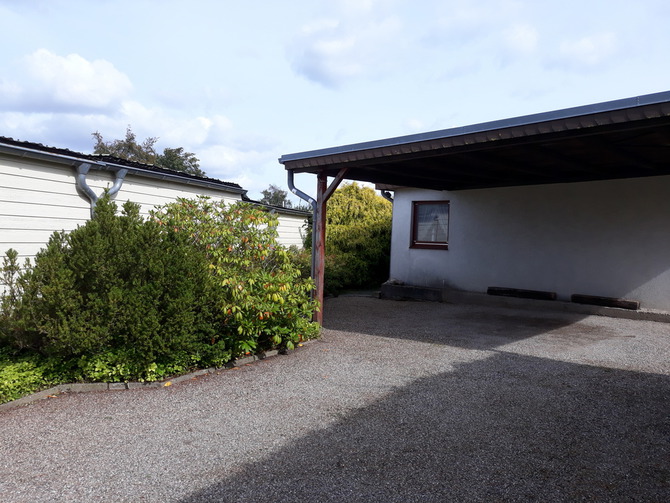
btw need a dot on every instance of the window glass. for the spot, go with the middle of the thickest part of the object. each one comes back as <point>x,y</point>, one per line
<point>430,224</point>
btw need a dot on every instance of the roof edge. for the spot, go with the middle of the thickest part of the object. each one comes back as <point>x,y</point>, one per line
<point>566,113</point>
<point>102,162</point>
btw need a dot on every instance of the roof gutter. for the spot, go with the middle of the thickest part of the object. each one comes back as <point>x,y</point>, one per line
<point>387,195</point>
<point>76,161</point>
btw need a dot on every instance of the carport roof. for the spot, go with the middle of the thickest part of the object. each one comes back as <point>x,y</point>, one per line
<point>626,138</point>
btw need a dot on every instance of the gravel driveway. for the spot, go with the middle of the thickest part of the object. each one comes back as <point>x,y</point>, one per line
<point>398,402</point>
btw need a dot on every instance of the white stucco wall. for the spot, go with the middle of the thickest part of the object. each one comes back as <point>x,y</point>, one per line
<point>38,198</point>
<point>609,238</point>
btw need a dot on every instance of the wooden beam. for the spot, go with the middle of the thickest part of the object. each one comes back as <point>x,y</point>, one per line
<point>323,193</point>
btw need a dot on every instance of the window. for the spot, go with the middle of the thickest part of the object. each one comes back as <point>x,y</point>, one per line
<point>430,224</point>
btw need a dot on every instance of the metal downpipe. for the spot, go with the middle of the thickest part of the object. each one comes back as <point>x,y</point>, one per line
<point>82,185</point>
<point>312,203</point>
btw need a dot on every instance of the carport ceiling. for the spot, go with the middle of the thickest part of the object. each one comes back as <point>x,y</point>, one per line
<point>619,139</point>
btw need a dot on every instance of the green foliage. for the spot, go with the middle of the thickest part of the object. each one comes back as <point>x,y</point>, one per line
<point>23,373</point>
<point>261,295</point>
<point>275,196</point>
<point>9,294</point>
<point>128,148</point>
<point>176,159</point>
<point>116,282</point>
<point>358,238</point>
<point>122,298</point>
<point>19,377</point>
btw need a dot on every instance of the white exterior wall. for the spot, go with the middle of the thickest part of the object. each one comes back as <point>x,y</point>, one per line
<point>35,201</point>
<point>152,192</point>
<point>609,238</point>
<point>292,230</point>
<point>38,198</point>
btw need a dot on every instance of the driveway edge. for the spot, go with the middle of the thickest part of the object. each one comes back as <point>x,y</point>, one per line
<point>119,386</point>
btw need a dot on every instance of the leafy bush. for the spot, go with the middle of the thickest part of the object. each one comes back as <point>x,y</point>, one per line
<point>122,298</point>
<point>358,239</point>
<point>19,377</point>
<point>9,295</point>
<point>115,283</point>
<point>263,298</point>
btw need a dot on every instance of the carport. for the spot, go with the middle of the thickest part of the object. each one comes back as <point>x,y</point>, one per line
<point>628,138</point>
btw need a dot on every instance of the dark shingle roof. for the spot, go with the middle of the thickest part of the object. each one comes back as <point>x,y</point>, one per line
<point>110,159</point>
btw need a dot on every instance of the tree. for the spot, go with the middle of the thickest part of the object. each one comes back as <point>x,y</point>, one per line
<point>178,160</point>
<point>358,236</point>
<point>130,149</point>
<point>275,196</point>
<point>358,239</point>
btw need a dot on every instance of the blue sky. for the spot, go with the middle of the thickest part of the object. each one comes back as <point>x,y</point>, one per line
<point>242,83</point>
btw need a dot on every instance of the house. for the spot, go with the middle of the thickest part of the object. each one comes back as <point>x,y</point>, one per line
<point>571,205</point>
<point>45,189</point>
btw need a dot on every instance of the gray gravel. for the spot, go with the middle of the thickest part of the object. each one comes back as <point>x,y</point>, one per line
<point>399,401</point>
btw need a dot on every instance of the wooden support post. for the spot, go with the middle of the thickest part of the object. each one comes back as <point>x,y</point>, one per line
<point>319,231</point>
<point>323,193</point>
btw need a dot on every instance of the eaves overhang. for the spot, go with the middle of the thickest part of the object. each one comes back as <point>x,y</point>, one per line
<point>67,157</point>
<point>617,139</point>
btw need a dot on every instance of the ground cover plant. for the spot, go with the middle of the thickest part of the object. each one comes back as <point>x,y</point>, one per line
<point>126,298</point>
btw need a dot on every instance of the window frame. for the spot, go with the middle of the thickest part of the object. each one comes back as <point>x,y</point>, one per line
<point>428,245</point>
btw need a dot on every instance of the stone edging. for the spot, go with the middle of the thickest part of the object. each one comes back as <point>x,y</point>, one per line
<point>116,386</point>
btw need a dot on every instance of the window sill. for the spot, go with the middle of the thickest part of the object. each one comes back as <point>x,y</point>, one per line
<point>430,246</point>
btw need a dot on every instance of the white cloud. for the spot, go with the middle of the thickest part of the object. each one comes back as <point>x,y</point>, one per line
<point>46,82</point>
<point>26,127</point>
<point>234,165</point>
<point>588,51</point>
<point>414,125</point>
<point>173,129</point>
<point>522,38</point>
<point>331,51</point>
<point>357,5</point>
<point>72,81</point>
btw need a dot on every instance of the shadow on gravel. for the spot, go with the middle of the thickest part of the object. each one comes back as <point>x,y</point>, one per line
<point>507,428</point>
<point>463,326</point>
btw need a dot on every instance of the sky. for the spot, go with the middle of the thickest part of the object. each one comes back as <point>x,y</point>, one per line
<point>241,83</point>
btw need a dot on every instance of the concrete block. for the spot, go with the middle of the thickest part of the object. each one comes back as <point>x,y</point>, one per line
<point>407,292</point>
<point>246,360</point>
<point>83,387</point>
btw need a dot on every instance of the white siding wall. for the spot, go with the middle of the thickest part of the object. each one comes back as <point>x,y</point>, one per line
<point>152,192</point>
<point>607,238</point>
<point>35,201</point>
<point>38,198</point>
<point>291,230</point>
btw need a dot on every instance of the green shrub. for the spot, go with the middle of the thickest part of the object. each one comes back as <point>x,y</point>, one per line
<point>262,297</point>
<point>117,282</point>
<point>122,298</point>
<point>358,239</point>
<point>19,377</point>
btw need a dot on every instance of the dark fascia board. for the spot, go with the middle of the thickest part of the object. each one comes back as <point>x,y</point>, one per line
<point>103,162</point>
<point>568,113</point>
